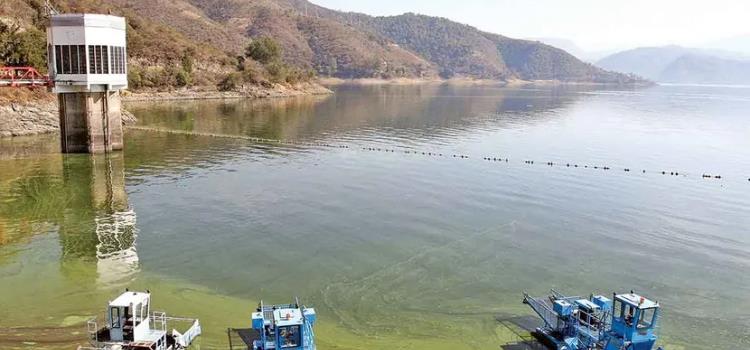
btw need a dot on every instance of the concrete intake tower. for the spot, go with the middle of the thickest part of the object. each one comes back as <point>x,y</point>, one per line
<point>88,64</point>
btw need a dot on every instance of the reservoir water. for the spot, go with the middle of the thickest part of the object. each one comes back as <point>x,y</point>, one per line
<point>394,248</point>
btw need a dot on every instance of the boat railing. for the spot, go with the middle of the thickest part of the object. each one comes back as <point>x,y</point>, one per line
<point>279,306</point>
<point>185,339</point>
<point>92,328</point>
<point>101,346</point>
<point>309,342</point>
<point>159,320</point>
<point>555,295</point>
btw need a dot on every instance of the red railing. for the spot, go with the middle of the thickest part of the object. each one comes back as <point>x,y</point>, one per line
<point>23,77</point>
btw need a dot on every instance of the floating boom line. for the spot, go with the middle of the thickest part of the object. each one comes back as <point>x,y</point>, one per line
<point>493,159</point>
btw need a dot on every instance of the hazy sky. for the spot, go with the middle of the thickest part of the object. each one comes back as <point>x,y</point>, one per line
<point>592,24</point>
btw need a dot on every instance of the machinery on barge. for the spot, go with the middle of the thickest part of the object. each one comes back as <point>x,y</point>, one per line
<point>275,327</point>
<point>130,325</point>
<point>625,322</point>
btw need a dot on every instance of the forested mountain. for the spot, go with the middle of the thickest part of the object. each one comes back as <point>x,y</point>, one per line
<point>454,49</point>
<point>202,42</point>
<point>674,64</point>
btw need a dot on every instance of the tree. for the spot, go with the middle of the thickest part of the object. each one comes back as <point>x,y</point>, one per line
<point>183,78</point>
<point>188,60</point>
<point>264,50</point>
<point>20,47</point>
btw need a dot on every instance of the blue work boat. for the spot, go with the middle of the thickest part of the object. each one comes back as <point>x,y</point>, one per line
<point>625,322</point>
<point>282,326</point>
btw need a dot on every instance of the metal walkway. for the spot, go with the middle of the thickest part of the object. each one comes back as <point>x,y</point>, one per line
<point>22,77</point>
<point>242,338</point>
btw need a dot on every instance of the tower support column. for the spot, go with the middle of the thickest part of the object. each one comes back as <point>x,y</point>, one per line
<point>90,122</point>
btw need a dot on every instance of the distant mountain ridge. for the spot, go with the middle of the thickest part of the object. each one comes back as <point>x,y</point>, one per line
<point>332,43</point>
<point>459,50</point>
<point>575,50</point>
<point>675,64</point>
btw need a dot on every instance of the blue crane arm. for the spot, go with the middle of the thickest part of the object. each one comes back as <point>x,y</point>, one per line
<point>544,310</point>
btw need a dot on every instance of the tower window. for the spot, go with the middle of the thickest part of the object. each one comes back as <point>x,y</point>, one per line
<point>92,59</point>
<point>105,59</point>
<point>58,59</point>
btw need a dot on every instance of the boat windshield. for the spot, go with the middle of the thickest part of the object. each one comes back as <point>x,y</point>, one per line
<point>647,318</point>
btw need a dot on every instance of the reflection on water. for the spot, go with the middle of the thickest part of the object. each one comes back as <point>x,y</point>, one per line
<point>395,250</point>
<point>99,224</point>
<point>81,197</point>
<point>117,258</point>
<point>394,112</point>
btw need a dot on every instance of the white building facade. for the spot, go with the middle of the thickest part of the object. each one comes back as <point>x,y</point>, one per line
<point>87,53</point>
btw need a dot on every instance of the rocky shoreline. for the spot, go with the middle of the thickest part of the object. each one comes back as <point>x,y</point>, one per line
<point>21,119</point>
<point>36,117</point>
<point>23,113</point>
<point>249,92</point>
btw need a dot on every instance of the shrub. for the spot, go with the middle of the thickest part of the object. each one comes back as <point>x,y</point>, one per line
<point>183,78</point>
<point>298,75</point>
<point>252,72</point>
<point>135,80</point>
<point>231,82</point>
<point>277,72</point>
<point>155,77</point>
<point>264,50</point>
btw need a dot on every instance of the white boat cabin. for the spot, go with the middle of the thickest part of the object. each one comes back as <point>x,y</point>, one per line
<point>131,325</point>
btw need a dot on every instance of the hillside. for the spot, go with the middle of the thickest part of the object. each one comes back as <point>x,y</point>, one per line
<point>701,69</point>
<point>176,43</point>
<point>457,50</point>
<point>674,64</point>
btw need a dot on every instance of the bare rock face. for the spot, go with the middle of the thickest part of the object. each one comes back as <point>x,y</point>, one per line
<point>18,119</point>
<point>37,117</point>
<point>128,118</point>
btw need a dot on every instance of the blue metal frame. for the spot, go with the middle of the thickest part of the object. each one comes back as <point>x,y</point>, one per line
<point>575,323</point>
<point>264,326</point>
